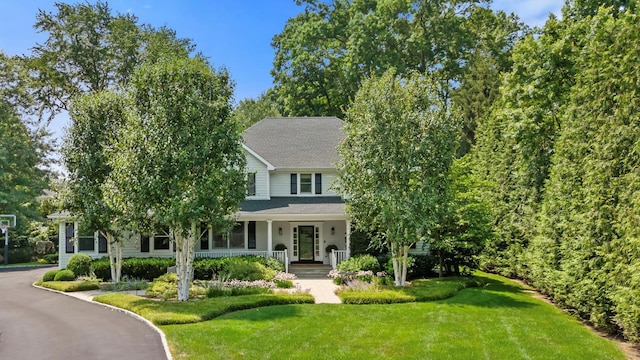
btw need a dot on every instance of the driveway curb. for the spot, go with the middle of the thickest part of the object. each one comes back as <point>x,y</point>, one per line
<point>163,338</point>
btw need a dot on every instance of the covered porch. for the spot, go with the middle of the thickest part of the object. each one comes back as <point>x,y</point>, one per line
<point>306,229</point>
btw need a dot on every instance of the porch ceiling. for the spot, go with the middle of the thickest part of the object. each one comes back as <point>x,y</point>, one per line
<point>292,208</point>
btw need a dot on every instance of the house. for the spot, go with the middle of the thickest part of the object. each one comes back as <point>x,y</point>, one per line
<point>290,202</point>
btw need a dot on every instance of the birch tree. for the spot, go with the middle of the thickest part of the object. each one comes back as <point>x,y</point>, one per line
<point>179,163</point>
<point>95,122</point>
<point>400,143</point>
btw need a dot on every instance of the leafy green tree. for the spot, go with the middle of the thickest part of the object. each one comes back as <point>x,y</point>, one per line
<point>250,111</point>
<point>586,255</point>
<point>90,49</point>
<point>96,121</point>
<point>324,53</point>
<point>515,141</point>
<point>190,167</point>
<point>22,175</point>
<point>400,143</point>
<point>464,227</point>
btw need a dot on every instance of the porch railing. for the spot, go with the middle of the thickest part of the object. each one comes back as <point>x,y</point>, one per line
<point>337,256</point>
<point>279,255</point>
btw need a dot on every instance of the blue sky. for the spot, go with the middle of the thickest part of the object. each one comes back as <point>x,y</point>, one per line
<point>232,33</point>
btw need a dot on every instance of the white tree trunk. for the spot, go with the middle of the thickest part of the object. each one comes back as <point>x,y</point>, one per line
<point>114,251</point>
<point>399,256</point>
<point>185,252</point>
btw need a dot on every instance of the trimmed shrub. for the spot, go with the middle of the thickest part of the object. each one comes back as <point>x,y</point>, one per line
<point>50,275</point>
<point>19,255</point>
<point>242,269</point>
<point>51,258</point>
<point>280,247</point>
<point>165,286</point>
<point>80,264</point>
<point>71,286</point>
<point>64,275</point>
<point>359,263</point>
<point>423,266</point>
<point>140,268</point>
<point>275,264</point>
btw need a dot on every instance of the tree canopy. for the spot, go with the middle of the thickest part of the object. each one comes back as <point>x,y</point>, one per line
<point>400,143</point>
<point>179,161</point>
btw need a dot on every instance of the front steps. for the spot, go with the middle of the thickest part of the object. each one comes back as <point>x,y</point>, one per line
<point>310,271</point>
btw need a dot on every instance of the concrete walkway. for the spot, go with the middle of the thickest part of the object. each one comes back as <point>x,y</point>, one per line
<point>323,290</point>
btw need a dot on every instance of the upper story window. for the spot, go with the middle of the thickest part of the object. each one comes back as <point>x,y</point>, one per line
<point>251,184</point>
<point>304,184</point>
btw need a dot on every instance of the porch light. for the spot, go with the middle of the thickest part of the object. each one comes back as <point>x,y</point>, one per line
<point>333,231</point>
<point>279,231</point>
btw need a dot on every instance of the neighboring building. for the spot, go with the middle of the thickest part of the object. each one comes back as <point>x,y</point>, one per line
<point>290,201</point>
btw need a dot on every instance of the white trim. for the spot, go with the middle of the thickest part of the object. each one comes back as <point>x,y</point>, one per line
<point>260,158</point>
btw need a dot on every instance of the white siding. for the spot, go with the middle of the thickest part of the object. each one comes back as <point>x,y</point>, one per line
<point>262,177</point>
<point>280,184</point>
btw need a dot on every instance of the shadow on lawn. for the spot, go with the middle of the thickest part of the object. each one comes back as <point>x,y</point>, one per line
<point>493,294</point>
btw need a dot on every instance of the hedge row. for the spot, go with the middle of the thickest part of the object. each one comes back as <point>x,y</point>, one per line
<point>151,268</point>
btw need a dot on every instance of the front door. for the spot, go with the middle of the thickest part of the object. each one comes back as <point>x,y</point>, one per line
<point>306,243</point>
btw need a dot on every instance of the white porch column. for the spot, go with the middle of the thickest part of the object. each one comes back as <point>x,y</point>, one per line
<point>269,236</point>
<point>348,239</point>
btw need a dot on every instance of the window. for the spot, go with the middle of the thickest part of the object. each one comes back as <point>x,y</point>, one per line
<point>68,236</point>
<point>237,236</point>
<point>305,184</point>
<point>204,237</point>
<point>161,240</point>
<point>86,239</point>
<point>102,244</point>
<point>219,241</point>
<point>251,239</point>
<point>144,243</point>
<point>251,184</point>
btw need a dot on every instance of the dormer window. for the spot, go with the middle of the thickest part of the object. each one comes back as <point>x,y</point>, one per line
<point>305,184</point>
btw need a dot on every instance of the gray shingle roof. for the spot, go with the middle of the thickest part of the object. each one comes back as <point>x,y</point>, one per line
<point>294,205</point>
<point>296,142</point>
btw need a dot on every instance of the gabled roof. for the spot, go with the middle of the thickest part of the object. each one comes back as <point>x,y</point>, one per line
<point>296,142</point>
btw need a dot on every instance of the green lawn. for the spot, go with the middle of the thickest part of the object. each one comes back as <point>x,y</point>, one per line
<point>497,321</point>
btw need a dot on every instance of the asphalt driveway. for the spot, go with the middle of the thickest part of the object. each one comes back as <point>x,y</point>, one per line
<point>38,324</point>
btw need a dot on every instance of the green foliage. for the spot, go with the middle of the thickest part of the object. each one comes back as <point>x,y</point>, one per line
<point>284,284</point>
<point>280,247</point>
<point>64,275</point>
<point>560,154</point>
<point>70,285</point>
<point>127,283</point>
<point>51,258</point>
<point>400,143</point>
<point>50,275</point>
<point>250,111</point>
<point>242,269</point>
<point>422,266</point>
<point>274,264</point>
<point>22,178</point>
<point>140,268</point>
<point>89,49</point>
<point>360,263</point>
<point>165,287</point>
<point>80,264</point>
<point>324,53</point>
<point>420,290</point>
